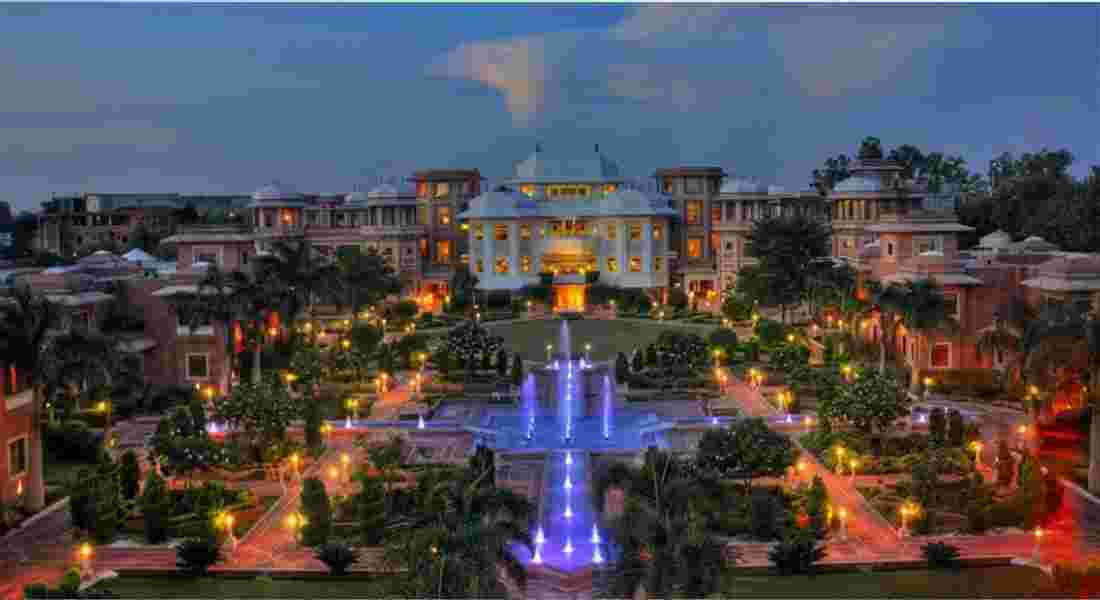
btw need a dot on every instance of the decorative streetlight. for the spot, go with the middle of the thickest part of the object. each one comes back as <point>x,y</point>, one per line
<point>85,553</point>
<point>326,430</point>
<point>345,464</point>
<point>907,511</point>
<point>976,446</point>
<point>853,464</point>
<point>839,460</point>
<point>345,344</point>
<point>843,524</point>
<point>847,371</point>
<point>588,352</point>
<point>549,348</point>
<point>353,405</point>
<point>1036,556</point>
<point>295,522</point>
<point>295,460</point>
<point>790,338</point>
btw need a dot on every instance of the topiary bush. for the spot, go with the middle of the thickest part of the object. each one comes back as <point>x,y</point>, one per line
<point>766,512</point>
<point>337,557</point>
<point>129,475</point>
<point>940,555</point>
<point>796,555</point>
<point>317,511</point>
<point>155,508</point>
<point>195,556</point>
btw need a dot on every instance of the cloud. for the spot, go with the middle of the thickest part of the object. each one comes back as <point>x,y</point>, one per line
<point>672,25</point>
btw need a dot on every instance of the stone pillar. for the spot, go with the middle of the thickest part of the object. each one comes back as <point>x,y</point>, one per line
<point>513,242</point>
<point>487,248</point>
<point>623,241</point>
<point>469,246</point>
<point>647,247</point>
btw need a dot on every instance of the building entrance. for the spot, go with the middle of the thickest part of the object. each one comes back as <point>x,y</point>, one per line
<point>569,298</point>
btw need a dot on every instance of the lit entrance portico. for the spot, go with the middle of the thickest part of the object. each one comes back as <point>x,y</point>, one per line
<point>569,297</point>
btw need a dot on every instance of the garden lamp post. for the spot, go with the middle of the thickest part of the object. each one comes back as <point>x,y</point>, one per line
<point>549,348</point>
<point>326,431</point>
<point>853,464</point>
<point>103,407</point>
<point>843,524</point>
<point>839,460</point>
<point>353,406</point>
<point>345,344</point>
<point>85,554</point>
<point>976,446</point>
<point>295,461</point>
<point>588,352</point>
<point>345,464</point>
<point>1036,555</point>
<point>906,511</point>
<point>847,371</point>
<point>790,338</point>
<point>294,523</point>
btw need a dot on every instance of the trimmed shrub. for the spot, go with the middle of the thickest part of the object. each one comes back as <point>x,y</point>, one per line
<point>317,511</point>
<point>129,475</point>
<point>195,556</point>
<point>337,557</point>
<point>941,555</point>
<point>765,514</point>
<point>817,501</point>
<point>70,582</point>
<point>956,429</point>
<point>937,427</point>
<point>796,555</point>
<point>770,332</point>
<point>155,508</point>
<point>311,413</point>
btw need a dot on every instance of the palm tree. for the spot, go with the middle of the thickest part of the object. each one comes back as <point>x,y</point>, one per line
<point>298,276</point>
<point>662,541</point>
<point>366,278</point>
<point>222,297</point>
<point>888,299</point>
<point>923,311</point>
<point>23,328</point>
<point>1005,336</point>
<point>1056,339</point>
<point>79,357</point>
<point>458,542</point>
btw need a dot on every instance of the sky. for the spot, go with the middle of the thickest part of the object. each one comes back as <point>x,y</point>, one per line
<point>208,98</point>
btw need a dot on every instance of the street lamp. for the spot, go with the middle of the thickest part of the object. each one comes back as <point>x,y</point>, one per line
<point>85,553</point>
<point>853,464</point>
<point>843,524</point>
<point>1037,555</point>
<point>847,371</point>
<point>839,460</point>
<point>345,344</point>
<point>587,352</point>
<point>295,522</point>
<point>790,338</point>
<point>976,446</point>
<point>549,347</point>
<point>353,405</point>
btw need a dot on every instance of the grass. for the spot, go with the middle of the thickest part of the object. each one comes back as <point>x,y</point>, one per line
<point>608,337</point>
<point>992,582</point>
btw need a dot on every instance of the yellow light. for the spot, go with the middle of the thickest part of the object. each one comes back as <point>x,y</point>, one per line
<point>229,520</point>
<point>790,337</point>
<point>333,472</point>
<point>928,381</point>
<point>840,451</point>
<point>1022,429</point>
<point>85,551</point>
<point>292,521</point>
<point>465,227</point>
<point>1039,533</point>
<point>346,344</point>
<point>273,332</point>
<point>294,458</point>
<point>846,369</point>
<point>853,464</point>
<point>976,446</point>
<point>101,407</point>
<point>1034,391</point>
<point>843,514</point>
<point>309,326</point>
<point>801,466</point>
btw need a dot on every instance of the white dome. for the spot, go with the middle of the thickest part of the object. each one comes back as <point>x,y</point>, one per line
<point>776,190</point>
<point>276,191</point>
<point>743,186</point>
<point>859,184</point>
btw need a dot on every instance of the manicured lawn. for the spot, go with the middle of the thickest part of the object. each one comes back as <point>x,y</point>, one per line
<point>607,337</point>
<point>224,587</point>
<point>992,582</point>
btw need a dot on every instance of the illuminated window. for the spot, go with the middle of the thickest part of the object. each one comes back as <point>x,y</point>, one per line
<point>527,189</point>
<point>479,232</point>
<point>609,188</point>
<point>658,231</point>
<point>198,366</point>
<point>612,231</point>
<point>694,212</point>
<point>666,186</point>
<point>635,232</point>
<point>477,265</point>
<point>501,264</point>
<point>658,263</point>
<point>421,189</point>
<point>500,233</point>
<point>612,264</point>
<point>695,247</point>
<point>525,264</point>
<point>568,191</point>
<point>635,264</point>
<point>423,215</point>
<point>442,189</point>
<point>524,232</point>
<point>716,213</point>
<point>714,243</point>
<point>423,248</point>
<point>17,457</point>
<point>443,215</point>
<point>443,252</point>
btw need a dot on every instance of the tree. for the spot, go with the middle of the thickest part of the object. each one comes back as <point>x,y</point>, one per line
<point>517,369</point>
<point>143,239</point>
<point>736,307</point>
<point>664,542</point>
<point>317,512</point>
<point>651,355</point>
<point>460,537</point>
<point>366,276</point>
<point>129,475</point>
<point>387,458</point>
<point>502,362</point>
<point>470,340</point>
<point>745,450</point>
<point>259,414</point>
<point>870,402</point>
<point>370,509</point>
<point>923,311</point>
<point>785,248</point>
<point>311,411</point>
<point>622,368</point>
<point>299,277</point>
<point>155,508</point>
<point>937,427</point>
<point>222,298</point>
<point>463,287</point>
<point>835,170</point>
<point>637,365</point>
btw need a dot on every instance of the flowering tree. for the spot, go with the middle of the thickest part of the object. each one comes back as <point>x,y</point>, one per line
<point>871,401</point>
<point>259,413</point>
<point>470,340</point>
<point>747,449</point>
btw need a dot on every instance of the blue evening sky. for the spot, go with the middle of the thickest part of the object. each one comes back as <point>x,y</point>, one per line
<point>195,98</point>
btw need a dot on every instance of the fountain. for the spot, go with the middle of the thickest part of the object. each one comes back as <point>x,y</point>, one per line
<point>595,534</point>
<point>607,400</point>
<point>420,421</point>
<point>540,537</point>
